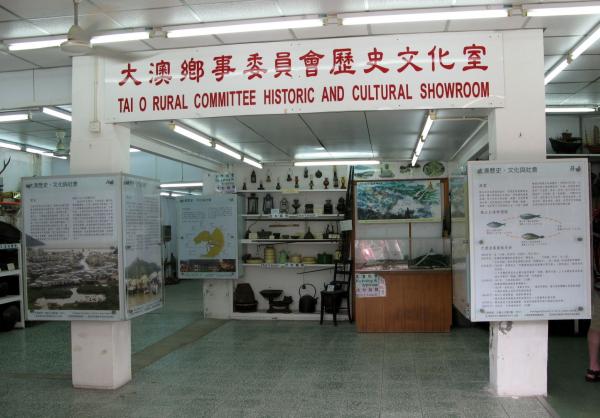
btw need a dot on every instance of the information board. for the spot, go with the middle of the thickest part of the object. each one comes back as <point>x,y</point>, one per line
<point>529,226</point>
<point>71,247</point>
<point>142,256</point>
<point>91,247</point>
<point>208,244</point>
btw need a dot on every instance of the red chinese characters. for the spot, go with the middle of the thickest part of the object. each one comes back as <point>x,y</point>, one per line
<point>283,64</point>
<point>441,54</point>
<point>128,73</point>
<point>192,70</point>
<point>254,66</point>
<point>222,67</point>
<point>342,62</point>
<point>161,72</point>
<point>408,56</point>
<point>375,57</point>
<point>311,62</point>
<point>474,53</point>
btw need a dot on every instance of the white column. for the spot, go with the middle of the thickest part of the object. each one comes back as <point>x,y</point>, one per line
<point>519,350</point>
<point>100,350</point>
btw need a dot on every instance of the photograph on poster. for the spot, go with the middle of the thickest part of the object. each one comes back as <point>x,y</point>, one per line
<point>144,282</point>
<point>457,197</point>
<point>399,201</point>
<point>73,279</point>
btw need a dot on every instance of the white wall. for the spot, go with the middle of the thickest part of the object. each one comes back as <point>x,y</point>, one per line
<point>22,164</point>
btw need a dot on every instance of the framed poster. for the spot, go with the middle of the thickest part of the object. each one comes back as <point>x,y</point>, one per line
<point>529,229</point>
<point>144,282</point>
<point>399,201</point>
<point>209,232</point>
<point>74,228</point>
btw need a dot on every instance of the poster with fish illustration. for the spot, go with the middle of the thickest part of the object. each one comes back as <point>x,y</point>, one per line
<point>208,244</point>
<point>399,201</point>
<point>529,240</point>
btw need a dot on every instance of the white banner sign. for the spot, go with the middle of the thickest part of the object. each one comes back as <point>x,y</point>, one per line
<point>427,71</point>
<point>530,240</point>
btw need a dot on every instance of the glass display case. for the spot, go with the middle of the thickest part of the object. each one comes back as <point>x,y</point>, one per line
<point>402,254</point>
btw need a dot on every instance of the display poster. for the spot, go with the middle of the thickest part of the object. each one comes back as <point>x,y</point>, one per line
<point>208,237</point>
<point>530,248</point>
<point>225,183</point>
<point>388,72</point>
<point>71,247</point>
<point>399,201</point>
<point>142,236</point>
<point>369,285</point>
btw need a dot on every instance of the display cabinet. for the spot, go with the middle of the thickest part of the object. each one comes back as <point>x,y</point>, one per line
<point>402,254</point>
<point>11,283</point>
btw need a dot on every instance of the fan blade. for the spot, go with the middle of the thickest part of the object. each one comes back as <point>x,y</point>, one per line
<point>117,55</point>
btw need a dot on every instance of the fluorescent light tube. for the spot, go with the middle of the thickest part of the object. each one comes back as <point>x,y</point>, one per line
<point>580,8</point>
<point>419,146</point>
<point>556,71</point>
<point>246,27</point>
<point>120,37</point>
<point>181,185</point>
<point>46,153</point>
<point>228,151</point>
<point>46,43</point>
<point>192,135</point>
<point>421,16</point>
<point>57,114</point>
<point>426,128</point>
<point>253,163</point>
<point>414,160</point>
<point>13,117</point>
<point>60,157</point>
<point>131,149</point>
<point>10,146</point>
<point>165,194</point>
<point>587,42</point>
<point>335,162</point>
<point>570,109</point>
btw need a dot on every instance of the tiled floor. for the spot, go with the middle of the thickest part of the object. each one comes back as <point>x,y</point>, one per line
<point>261,369</point>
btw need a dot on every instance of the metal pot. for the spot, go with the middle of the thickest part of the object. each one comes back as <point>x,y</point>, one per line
<point>307,303</point>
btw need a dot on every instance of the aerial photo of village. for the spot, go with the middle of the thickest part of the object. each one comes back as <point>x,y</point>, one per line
<point>72,279</point>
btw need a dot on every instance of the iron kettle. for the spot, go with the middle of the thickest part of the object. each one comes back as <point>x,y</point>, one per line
<point>307,303</point>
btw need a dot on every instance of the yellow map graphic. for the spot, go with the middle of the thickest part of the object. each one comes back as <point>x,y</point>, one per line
<point>211,244</point>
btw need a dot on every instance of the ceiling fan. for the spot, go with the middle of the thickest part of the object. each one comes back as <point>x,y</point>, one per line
<point>79,41</point>
<point>61,150</point>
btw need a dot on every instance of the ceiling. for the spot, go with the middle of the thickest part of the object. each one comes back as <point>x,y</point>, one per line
<point>378,133</point>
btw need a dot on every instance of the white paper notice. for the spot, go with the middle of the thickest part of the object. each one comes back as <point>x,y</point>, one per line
<point>369,285</point>
<point>530,240</point>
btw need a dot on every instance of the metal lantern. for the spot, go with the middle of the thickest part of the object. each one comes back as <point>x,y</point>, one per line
<point>267,204</point>
<point>252,204</point>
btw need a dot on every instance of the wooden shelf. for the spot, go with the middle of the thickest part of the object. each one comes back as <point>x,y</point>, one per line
<point>9,299</point>
<point>5,273</point>
<point>292,191</point>
<point>289,241</point>
<point>287,266</point>
<point>294,217</point>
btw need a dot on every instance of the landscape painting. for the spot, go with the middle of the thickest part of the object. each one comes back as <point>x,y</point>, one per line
<point>399,201</point>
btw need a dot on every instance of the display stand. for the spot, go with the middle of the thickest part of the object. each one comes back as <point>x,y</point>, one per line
<point>16,277</point>
<point>403,279</point>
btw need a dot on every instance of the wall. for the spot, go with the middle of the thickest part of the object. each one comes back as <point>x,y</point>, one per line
<point>23,164</point>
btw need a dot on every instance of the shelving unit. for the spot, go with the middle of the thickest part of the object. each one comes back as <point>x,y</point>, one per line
<point>14,275</point>
<point>289,241</point>
<point>293,191</point>
<point>293,217</point>
<point>289,265</point>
